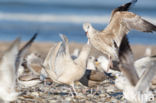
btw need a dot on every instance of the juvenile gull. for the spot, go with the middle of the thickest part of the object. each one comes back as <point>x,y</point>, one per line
<point>122,21</point>
<point>61,68</point>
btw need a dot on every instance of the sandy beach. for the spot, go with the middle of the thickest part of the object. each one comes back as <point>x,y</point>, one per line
<point>43,48</point>
<point>55,93</point>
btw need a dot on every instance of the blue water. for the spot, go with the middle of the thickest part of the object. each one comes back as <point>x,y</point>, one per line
<point>51,17</point>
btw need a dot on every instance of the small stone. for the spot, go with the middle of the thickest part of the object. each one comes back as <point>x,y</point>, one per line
<point>68,98</point>
<point>35,94</point>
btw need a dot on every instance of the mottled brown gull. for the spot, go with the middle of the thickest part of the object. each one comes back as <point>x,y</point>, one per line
<point>122,21</point>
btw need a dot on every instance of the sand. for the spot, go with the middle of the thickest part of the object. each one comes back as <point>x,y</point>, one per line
<point>55,93</point>
<point>43,48</point>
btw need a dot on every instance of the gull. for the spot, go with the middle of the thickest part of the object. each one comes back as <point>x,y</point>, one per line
<point>102,63</point>
<point>74,55</point>
<point>34,63</point>
<point>121,22</point>
<point>140,65</point>
<point>61,68</point>
<point>136,89</point>
<point>90,63</point>
<point>22,52</point>
<point>92,77</point>
<point>20,58</point>
<point>8,73</point>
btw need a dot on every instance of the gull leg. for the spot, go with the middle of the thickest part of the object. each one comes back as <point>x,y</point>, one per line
<point>91,90</point>
<point>71,92</point>
<point>73,88</point>
<point>84,91</point>
<point>96,90</point>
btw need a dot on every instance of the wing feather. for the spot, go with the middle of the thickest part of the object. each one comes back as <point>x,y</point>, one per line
<point>147,77</point>
<point>23,51</point>
<point>127,62</point>
<point>62,56</point>
<point>8,68</point>
<point>138,23</point>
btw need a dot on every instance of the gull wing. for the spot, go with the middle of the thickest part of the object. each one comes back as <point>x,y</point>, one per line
<point>7,66</point>
<point>62,57</point>
<point>142,64</point>
<point>83,56</point>
<point>107,46</point>
<point>133,21</point>
<point>147,77</point>
<point>126,59</point>
<point>124,7</point>
<point>65,44</point>
<point>49,62</point>
<point>23,51</point>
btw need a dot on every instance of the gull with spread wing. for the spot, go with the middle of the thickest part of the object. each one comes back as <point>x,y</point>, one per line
<point>121,22</point>
<point>136,89</point>
<point>61,68</point>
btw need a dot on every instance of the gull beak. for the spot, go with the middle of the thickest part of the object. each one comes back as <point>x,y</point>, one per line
<point>86,32</point>
<point>97,63</point>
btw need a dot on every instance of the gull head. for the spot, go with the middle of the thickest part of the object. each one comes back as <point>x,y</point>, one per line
<point>34,57</point>
<point>90,63</point>
<point>103,62</point>
<point>91,58</point>
<point>87,27</point>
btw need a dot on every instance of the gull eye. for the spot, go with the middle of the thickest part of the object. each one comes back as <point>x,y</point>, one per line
<point>88,27</point>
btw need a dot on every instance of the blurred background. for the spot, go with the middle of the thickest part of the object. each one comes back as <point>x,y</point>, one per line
<point>51,17</point>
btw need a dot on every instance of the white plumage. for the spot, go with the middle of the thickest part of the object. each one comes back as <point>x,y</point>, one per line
<point>61,68</point>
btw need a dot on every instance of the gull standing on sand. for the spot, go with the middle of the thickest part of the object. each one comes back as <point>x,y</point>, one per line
<point>61,68</point>
<point>122,21</point>
<point>92,77</point>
